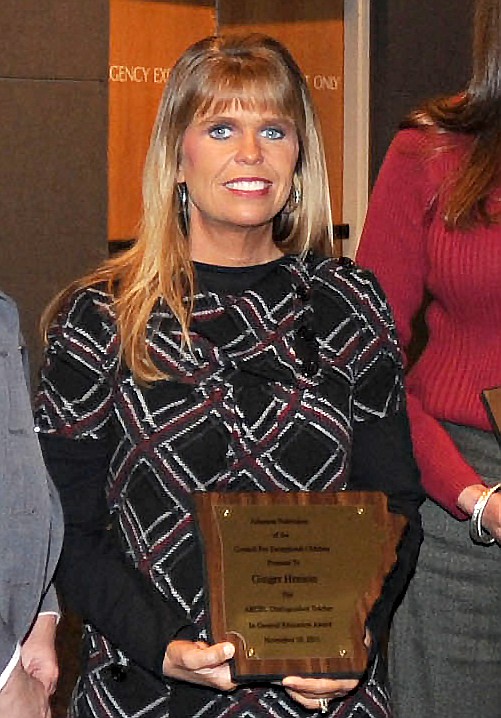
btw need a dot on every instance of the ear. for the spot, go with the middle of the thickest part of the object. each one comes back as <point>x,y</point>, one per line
<point>180,173</point>
<point>180,168</point>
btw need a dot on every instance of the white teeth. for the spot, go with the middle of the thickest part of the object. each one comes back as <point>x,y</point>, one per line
<point>247,185</point>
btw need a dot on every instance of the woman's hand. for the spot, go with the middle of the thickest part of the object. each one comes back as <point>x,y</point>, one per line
<point>197,662</point>
<point>312,692</point>
<point>491,519</point>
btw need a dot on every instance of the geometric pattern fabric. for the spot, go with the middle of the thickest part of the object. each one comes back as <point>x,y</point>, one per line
<point>264,398</point>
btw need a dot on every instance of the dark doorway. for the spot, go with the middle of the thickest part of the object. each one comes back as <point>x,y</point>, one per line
<point>419,49</point>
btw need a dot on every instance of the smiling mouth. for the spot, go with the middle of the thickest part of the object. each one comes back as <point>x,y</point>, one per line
<point>248,185</point>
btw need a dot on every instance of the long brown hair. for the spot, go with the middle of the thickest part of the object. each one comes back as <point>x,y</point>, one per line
<point>476,112</point>
<point>255,71</point>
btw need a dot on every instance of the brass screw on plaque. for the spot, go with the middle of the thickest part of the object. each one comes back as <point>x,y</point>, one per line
<point>250,652</point>
<point>360,510</point>
<point>342,652</point>
<point>226,513</point>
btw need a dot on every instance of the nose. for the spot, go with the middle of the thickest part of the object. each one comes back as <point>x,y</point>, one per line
<point>249,150</point>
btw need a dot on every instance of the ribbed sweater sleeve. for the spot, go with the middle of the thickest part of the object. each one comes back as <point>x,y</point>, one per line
<point>393,246</point>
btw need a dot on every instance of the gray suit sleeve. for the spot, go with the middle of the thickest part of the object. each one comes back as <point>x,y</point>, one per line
<point>30,513</point>
<point>50,604</point>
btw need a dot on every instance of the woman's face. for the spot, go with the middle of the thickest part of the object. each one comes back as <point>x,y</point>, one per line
<point>238,167</point>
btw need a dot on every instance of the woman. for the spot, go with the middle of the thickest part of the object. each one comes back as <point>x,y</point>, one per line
<point>433,229</point>
<point>218,354</point>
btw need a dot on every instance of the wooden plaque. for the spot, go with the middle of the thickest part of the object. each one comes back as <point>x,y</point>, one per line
<point>292,577</point>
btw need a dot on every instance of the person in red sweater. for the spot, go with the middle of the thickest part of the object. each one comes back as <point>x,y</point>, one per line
<point>432,232</point>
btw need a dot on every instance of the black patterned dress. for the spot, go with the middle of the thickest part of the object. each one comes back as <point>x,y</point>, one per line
<point>293,383</point>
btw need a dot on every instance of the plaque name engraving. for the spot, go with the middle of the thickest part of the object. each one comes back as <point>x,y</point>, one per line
<point>292,576</point>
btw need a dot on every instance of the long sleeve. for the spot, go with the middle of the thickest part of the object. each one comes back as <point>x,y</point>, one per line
<point>94,577</point>
<point>30,520</point>
<point>74,409</point>
<point>394,246</point>
<point>382,457</point>
<point>50,603</point>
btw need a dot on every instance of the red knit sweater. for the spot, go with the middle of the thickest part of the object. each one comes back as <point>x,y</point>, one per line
<point>405,242</point>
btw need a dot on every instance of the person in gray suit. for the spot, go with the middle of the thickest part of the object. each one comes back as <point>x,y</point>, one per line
<point>30,541</point>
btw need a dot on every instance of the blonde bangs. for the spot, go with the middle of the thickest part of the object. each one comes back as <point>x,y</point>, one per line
<point>255,88</point>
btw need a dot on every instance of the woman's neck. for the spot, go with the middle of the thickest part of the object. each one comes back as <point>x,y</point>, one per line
<point>233,247</point>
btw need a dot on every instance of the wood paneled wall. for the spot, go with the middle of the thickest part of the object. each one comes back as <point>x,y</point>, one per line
<point>314,33</point>
<point>54,71</point>
<point>147,37</point>
<point>53,143</point>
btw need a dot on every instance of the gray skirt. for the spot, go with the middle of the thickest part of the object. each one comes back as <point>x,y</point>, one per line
<point>445,640</point>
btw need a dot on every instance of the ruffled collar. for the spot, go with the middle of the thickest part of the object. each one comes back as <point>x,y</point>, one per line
<point>254,331</point>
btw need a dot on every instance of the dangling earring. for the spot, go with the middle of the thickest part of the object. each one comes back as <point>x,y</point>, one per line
<point>184,212</point>
<point>284,221</point>
<point>295,198</point>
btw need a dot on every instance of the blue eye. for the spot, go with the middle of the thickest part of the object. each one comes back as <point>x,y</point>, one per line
<point>220,132</point>
<point>273,133</point>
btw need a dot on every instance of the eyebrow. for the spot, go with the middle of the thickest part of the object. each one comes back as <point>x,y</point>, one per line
<point>214,119</point>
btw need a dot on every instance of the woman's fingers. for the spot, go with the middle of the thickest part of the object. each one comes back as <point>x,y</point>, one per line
<point>199,663</point>
<point>313,692</point>
<point>311,704</point>
<point>195,657</point>
<point>319,686</point>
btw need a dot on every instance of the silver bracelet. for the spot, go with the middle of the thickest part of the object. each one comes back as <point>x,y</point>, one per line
<point>477,532</point>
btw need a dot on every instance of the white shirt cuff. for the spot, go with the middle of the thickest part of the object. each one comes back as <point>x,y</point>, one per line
<point>51,613</point>
<point>5,675</point>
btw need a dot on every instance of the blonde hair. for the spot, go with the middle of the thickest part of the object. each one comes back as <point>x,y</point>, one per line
<point>255,72</point>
